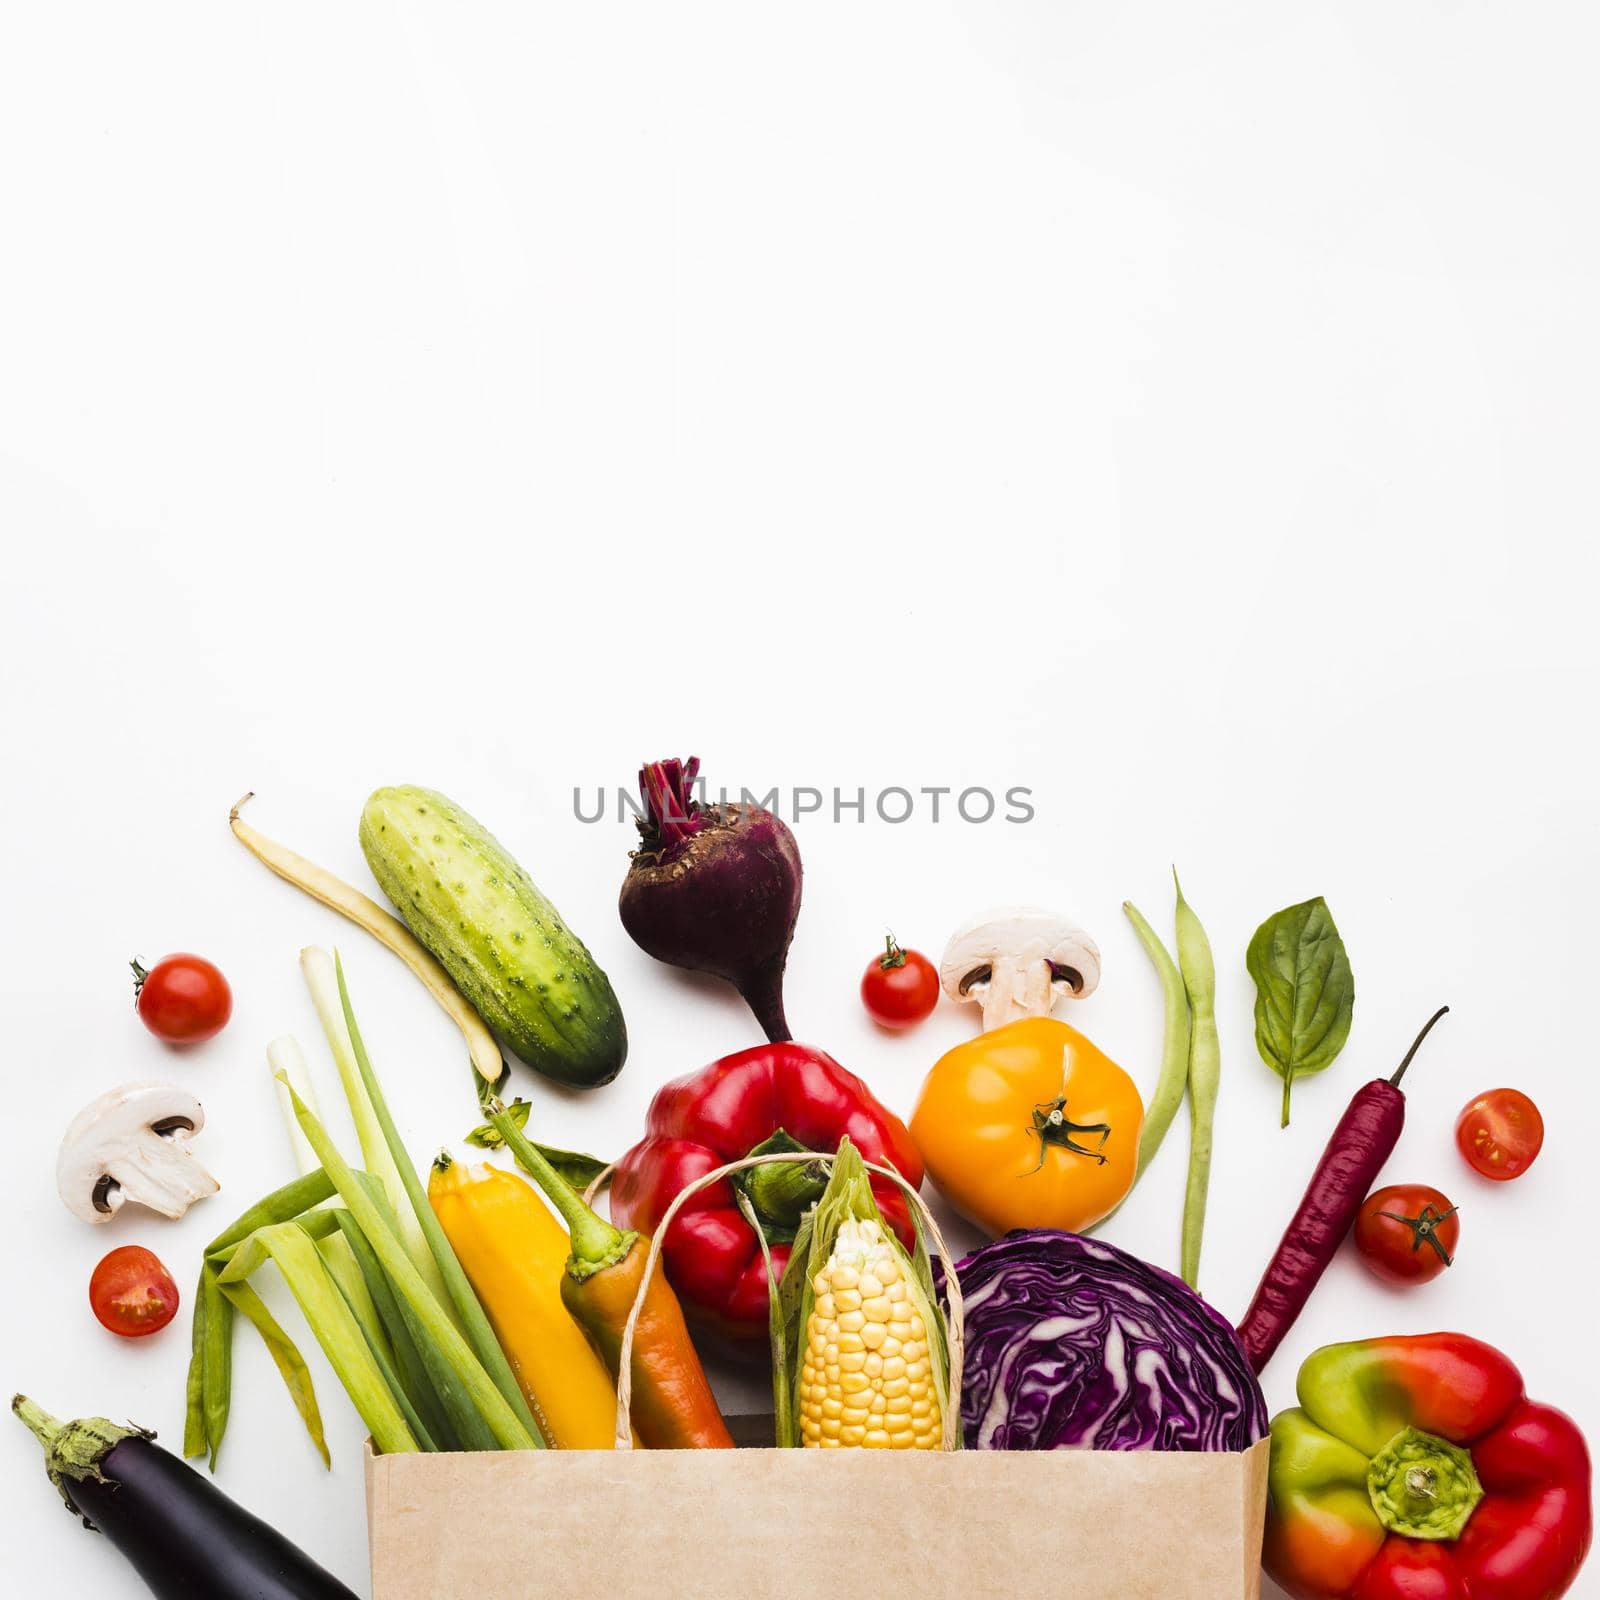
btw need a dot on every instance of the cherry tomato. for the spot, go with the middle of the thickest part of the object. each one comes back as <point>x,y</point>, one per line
<point>1407,1232</point>
<point>132,1293</point>
<point>1500,1133</point>
<point>900,987</point>
<point>182,999</point>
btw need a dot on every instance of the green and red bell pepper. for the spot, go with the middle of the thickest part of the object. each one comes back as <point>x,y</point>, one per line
<point>1415,1468</point>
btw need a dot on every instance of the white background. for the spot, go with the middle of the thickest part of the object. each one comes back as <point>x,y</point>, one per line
<point>1187,413</point>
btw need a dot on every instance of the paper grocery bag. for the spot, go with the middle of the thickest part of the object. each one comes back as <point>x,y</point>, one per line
<point>830,1525</point>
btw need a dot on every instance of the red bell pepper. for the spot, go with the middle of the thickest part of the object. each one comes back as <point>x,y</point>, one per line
<point>781,1096</point>
<point>1414,1468</point>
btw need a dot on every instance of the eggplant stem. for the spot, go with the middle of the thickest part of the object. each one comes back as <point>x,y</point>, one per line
<point>45,1428</point>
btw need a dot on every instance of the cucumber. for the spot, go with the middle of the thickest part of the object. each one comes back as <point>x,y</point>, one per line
<point>526,973</point>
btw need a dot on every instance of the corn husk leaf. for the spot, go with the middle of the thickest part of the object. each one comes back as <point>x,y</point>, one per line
<point>777,1332</point>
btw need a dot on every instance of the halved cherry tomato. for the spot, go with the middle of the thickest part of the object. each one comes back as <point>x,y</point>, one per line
<point>182,998</point>
<point>1407,1232</point>
<point>132,1293</point>
<point>1500,1133</point>
<point>900,987</point>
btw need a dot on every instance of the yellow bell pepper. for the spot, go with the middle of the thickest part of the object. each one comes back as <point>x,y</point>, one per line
<point>514,1251</point>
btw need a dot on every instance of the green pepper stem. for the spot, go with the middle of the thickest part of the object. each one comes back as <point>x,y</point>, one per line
<point>45,1428</point>
<point>782,1192</point>
<point>1423,1487</point>
<point>1416,1045</point>
<point>595,1242</point>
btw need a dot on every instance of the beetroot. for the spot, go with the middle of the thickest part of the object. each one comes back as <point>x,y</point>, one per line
<point>714,888</point>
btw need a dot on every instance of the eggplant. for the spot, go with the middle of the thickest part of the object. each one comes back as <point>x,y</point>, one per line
<point>184,1536</point>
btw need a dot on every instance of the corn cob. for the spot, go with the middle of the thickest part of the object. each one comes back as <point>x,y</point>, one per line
<point>867,1375</point>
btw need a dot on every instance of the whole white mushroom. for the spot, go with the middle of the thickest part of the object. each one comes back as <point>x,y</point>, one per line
<point>1017,961</point>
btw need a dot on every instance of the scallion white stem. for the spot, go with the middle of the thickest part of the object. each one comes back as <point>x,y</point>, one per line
<point>287,1064</point>
<point>322,979</point>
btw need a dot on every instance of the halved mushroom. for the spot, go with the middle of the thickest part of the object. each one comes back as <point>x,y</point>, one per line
<point>132,1144</point>
<point>1017,961</point>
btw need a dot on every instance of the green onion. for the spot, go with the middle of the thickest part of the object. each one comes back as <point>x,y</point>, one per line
<point>284,1055</point>
<point>286,1358</point>
<point>469,1313</point>
<point>503,1421</point>
<point>413,1369</point>
<point>379,1154</point>
<point>456,1417</point>
<point>330,1319</point>
<point>378,1342</point>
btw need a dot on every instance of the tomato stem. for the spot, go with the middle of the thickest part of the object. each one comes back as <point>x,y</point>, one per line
<point>1424,1228</point>
<point>1053,1127</point>
<point>893,955</point>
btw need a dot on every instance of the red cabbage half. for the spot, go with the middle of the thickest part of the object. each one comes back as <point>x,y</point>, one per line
<point>1074,1344</point>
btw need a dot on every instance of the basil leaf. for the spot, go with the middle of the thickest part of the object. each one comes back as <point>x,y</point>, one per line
<point>1305,992</point>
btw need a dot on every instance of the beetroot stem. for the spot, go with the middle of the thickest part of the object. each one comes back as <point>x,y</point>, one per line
<point>667,789</point>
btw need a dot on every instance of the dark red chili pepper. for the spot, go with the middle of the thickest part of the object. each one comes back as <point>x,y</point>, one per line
<point>1364,1139</point>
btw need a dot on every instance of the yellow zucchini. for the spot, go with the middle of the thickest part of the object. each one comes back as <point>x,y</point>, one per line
<point>514,1251</point>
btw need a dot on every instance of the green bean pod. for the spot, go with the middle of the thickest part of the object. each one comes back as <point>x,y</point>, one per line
<point>1205,1069</point>
<point>208,1390</point>
<point>194,1415</point>
<point>1168,1096</point>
